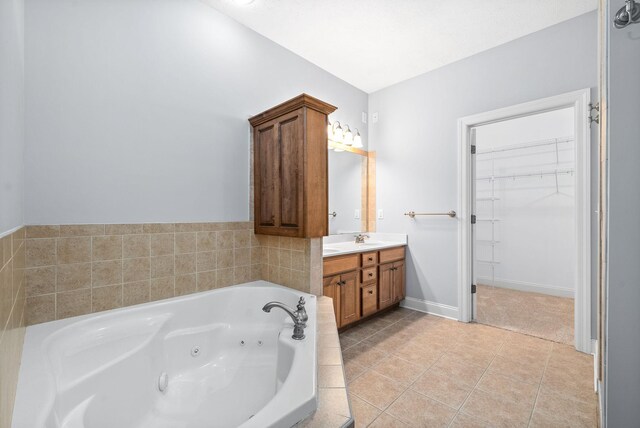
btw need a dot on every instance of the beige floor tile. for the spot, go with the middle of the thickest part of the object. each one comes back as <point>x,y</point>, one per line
<point>384,343</point>
<point>509,388</point>
<point>352,370</point>
<point>420,411</point>
<point>376,389</point>
<point>346,342</point>
<point>418,355</point>
<point>330,377</point>
<point>471,355</point>
<point>562,411</point>
<point>363,354</point>
<point>464,421</point>
<point>497,410</point>
<point>399,370</point>
<point>442,388</point>
<point>363,412</point>
<point>517,370</point>
<point>359,332</point>
<point>465,373</point>
<point>387,421</point>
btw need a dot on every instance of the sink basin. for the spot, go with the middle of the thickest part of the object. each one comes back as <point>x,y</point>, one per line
<point>330,250</point>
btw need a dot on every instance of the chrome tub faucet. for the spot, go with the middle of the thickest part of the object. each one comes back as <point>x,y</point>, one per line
<point>298,316</point>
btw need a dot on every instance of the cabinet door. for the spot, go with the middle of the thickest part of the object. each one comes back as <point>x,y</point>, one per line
<point>330,288</point>
<point>398,281</point>
<point>385,285</point>
<point>291,136</point>
<point>349,298</point>
<point>266,165</point>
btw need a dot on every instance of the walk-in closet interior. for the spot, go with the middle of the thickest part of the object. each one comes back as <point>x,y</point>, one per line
<point>525,224</point>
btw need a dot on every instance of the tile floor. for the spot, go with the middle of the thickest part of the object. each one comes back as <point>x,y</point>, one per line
<point>539,315</point>
<point>409,369</point>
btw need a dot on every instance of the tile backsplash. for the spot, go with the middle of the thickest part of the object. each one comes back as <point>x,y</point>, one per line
<point>79,269</point>
<point>12,304</point>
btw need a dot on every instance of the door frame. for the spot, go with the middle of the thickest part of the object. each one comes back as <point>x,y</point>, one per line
<point>579,100</point>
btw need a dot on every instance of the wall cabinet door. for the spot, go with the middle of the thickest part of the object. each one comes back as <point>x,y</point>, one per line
<point>398,281</point>
<point>385,285</point>
<point>349,298</point>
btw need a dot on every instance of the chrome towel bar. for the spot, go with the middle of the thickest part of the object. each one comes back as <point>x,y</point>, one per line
<point>413,214</point>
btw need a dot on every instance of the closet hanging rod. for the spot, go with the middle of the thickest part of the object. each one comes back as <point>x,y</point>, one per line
<point>413,214</point>
<point>538,143</point>
<point>532,174</point>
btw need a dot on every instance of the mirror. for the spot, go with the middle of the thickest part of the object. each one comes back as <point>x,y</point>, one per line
<point>347,183</point>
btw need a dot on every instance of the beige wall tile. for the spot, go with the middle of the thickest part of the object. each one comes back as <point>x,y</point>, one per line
<point>135,246</point>
<point>105,298</point>
<point>134,293</point>
<point>161,288</point>
<point>106,273</point>
<point>185,263</point>
<point>73,303</point>
<point>158,228</point>
<point>225,277</point>
<point>162,266</point>
<point>81,230</point>
<point>123,229</point>
<point>73,250</point>
<point>134,270</point>
<point>185,284</point>
<point>42,231</point>
<point>41,252</point>
<point>206,281</point>
<point>207,241</point>
<point>241,274</point>
<point>285,259</point>
<point>225,259</point>
<point>40,280</point>
<point>242,256</point>
<point>185,243</point>
<point>189,227</point>
<point>73,277</point>
<point>226,240</point>
<point>106,247</point>
<point>40,309</point>
<point>206,261</point>
<point>161,244</point>
<point>241,238</point>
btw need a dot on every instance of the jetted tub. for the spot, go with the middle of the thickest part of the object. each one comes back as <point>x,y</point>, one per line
<point>206,360</point>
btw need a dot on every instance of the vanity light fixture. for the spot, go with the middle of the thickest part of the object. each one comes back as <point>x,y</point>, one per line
<point>347,136</point>
<point>357,140</point>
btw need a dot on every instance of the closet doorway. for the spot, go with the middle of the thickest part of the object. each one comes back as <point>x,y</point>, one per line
<point>525,219</point>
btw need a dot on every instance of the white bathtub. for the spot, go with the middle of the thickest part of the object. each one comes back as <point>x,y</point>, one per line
<point>227,364</point>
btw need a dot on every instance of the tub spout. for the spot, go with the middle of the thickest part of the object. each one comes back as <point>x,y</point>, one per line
<point>298,316</point>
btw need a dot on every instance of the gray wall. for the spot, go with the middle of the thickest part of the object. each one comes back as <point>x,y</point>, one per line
<point>137,110</point>
<point>623,316</point>
<point>11,113</point>
<point>416,137</point>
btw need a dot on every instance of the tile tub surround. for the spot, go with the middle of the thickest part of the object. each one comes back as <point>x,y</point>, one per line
<point>12,303</point>
<point>409,369</point>
<point>79,269</point>
<point>334,409</point>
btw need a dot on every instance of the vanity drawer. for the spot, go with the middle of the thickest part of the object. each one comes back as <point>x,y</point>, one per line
<point>340,264</point>
<point>369,299</point>
<point>369,259</point>
<point>369,274</point>
<point>391,254</point>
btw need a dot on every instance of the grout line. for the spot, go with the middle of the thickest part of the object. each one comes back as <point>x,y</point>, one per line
<point>546,365</point>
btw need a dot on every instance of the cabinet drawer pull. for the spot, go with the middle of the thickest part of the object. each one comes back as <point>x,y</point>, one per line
<point>370,291</point>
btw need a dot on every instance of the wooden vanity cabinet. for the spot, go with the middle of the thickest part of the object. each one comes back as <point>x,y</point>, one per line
<point>360,287</point>
<point>290,168</point>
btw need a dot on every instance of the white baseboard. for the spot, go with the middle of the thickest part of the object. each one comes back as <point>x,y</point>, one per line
<point>528,286</point>
<point>431,308</point>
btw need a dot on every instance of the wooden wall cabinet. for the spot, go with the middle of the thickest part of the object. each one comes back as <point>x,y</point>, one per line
<point>290,168</point>
<point>361,287</point>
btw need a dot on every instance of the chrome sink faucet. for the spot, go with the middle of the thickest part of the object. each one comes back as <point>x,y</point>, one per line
<point>299,316</point>
<point>360,238</point>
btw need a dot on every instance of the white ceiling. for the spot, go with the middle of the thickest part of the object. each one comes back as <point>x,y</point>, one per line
<point>376,43</point>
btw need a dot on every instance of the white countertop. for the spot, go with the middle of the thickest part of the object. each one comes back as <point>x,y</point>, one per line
<point>337,245</point>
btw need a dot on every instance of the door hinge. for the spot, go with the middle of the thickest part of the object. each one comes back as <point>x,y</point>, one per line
<point>473,289</point>
<point>594,113</point>
<point>473,219</point>
<point>473,149</point>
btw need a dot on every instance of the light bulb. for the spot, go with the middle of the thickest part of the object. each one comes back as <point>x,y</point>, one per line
<point>337,134</point>
<point>348,137</point>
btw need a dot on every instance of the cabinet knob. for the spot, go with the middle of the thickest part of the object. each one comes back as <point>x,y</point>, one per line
<point>370,291</point>
<point>370,273</point>
<point>370,259</point>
